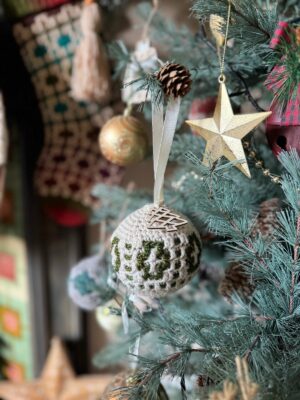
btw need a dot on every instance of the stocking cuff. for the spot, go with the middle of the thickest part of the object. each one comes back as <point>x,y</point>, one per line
<point>21,8</point>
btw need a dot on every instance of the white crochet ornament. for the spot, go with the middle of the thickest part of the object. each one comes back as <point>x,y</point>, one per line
<point>155,251</point>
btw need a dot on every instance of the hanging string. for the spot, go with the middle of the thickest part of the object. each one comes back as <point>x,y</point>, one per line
<point>259,164</point>
<point>155,5</point>
<point>222,58</point>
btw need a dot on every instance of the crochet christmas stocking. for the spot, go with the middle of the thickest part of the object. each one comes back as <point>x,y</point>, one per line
<point>20,8</point>
<point>70,163</point>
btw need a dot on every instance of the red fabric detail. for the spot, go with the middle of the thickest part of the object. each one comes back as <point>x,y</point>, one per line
<point>66,216</point>
<point>202,108</point>
<point>281,34</point>
<point>290,115</point>
<point>283,138</point>
<point>15,372</point>
<point>7,266</point>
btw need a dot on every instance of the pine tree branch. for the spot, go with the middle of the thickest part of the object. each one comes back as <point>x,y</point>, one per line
<point>295,259</point>
<point>178,354</point>
<point>238,75</point>
<point>249,95</point>
<point>245,240</point>
<point>251,348</point>
<point>249,22</point>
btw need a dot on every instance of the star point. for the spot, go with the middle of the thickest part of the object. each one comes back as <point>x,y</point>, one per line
<point>57,381</point>
<point>225,130</point>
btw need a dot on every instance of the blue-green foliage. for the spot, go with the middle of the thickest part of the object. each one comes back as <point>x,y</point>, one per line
<point>195,331</point>
<point>266,329</point>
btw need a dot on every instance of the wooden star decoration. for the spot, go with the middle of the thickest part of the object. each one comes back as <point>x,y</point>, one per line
<point>57,381</point>
<point>224,132</point>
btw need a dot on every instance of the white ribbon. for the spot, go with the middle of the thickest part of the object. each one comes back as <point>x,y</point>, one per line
<point>157,128</point>
<point>135,350</point>
<point>163,134</point>
<point>125,318</point>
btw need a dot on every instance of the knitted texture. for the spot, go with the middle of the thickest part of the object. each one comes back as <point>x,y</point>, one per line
<point>91,71</point>
<point>154,262</point>
<point>70,163</point>
<point>20,8</point>
<point>84,281</point>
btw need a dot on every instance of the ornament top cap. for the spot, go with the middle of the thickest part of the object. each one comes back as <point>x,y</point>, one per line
<point>222,78</point>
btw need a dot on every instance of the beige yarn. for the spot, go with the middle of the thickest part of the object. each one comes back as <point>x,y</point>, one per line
<point>91,74</point>
<point>172,258</point>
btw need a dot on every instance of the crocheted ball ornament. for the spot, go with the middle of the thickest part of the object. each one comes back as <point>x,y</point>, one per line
<point>84,283</point>
<point>155,261</point>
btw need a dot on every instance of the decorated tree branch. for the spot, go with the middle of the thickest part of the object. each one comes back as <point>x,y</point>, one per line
<point>205,269</point>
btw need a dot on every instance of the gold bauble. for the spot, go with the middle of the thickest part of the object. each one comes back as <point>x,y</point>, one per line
<point>124,379</point>
<point>123,140</point>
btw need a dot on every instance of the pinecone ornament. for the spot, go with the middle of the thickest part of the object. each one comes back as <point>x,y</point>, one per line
<point>236,281</point>
<point>266,221</point>
<point>175,80</point>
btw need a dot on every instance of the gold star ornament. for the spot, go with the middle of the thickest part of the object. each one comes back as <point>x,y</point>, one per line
<point>57,381</point>
<point>224,131</point>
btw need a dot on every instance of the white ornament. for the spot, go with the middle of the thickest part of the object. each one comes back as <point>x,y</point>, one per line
<point>109,322</point>
<point>84,282</point>
<point>144,58</point>
<point>154,262</point>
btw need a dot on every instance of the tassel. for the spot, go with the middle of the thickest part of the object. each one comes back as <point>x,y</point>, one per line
<point>90,80</point>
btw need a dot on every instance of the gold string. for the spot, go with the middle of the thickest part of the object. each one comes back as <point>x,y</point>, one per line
<point>251,153</point>
<point>259,164</point>
<point>222,59</point>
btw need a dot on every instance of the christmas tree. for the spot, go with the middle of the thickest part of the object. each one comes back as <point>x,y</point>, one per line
<point>223,335</point>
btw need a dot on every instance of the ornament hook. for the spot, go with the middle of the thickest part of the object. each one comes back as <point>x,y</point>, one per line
<point>222,78</point>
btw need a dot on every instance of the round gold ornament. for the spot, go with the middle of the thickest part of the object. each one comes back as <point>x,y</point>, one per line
<point>123,140</point>
<point>123,380</point>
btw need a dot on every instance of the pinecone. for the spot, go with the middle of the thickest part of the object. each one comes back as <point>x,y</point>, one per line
<point>236,280</point>
<point>175,80</point>
<point>204,380</point>
<point>266,220</point>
